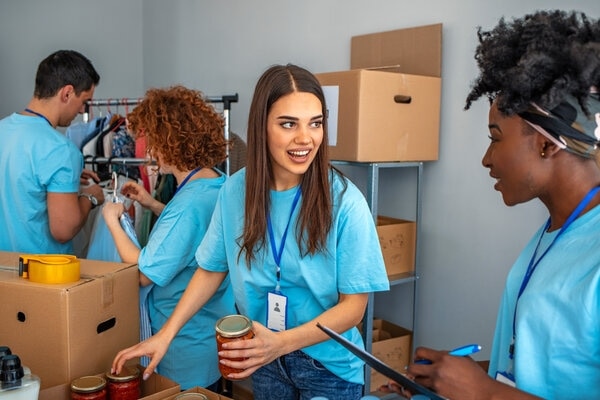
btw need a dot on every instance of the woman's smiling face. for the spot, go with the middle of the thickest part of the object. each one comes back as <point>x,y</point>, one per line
<point>294,135</point>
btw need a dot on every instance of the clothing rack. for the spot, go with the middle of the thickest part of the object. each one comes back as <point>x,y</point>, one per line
<point>128,161</point>
<point>226,100</point>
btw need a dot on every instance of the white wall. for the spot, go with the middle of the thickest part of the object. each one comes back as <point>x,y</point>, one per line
<point>469,237</point>
<point>108,32</point>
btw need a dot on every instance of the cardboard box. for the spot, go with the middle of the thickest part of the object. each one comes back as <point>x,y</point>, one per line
<point>157,387</point>
<point>375,115</point>
<point>416,50</point>
<point>395,350</point>
<point>64,331</point>
<point>397,238</point>
<point>210,395</point>
<point>382,116</point>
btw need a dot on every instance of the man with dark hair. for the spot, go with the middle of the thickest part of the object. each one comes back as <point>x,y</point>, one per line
<point>41,207</point>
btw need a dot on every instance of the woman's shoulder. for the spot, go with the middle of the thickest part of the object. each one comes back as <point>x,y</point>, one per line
<point>341,184</point>
<point>347,197</point>
<point>236,180</point>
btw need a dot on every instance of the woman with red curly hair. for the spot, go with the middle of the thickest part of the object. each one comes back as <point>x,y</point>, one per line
<point>184,134</point>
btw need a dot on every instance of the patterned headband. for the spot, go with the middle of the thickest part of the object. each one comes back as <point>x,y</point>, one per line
<point>568,126</point>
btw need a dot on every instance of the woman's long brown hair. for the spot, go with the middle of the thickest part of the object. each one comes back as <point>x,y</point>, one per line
<point>315,218</point>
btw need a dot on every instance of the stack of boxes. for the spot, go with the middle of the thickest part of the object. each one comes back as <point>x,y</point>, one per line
<point>386,108</point>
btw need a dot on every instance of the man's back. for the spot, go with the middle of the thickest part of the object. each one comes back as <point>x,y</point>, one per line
<point>35,159</point>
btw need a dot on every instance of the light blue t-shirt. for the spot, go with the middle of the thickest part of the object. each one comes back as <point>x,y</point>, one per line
<point>168,261</point>
<point>35,159</point>
<point>353,263</point>
<point>557,348</point>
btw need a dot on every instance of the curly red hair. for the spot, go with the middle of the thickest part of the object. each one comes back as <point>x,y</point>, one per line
<point>182,126</point>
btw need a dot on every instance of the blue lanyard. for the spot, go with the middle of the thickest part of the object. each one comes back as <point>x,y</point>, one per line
<point>39,115</point>
<point>277,253</point>
<point>533,263</point>
<point>187,178</point>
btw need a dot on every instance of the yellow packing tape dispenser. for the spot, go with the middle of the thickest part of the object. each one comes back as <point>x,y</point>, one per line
<point>49,268</point>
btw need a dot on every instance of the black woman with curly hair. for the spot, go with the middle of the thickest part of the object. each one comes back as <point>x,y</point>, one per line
<point>541,74</point>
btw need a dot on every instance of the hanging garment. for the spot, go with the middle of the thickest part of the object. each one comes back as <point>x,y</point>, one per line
<point>81,132</point>
<point>123,145</point>
<point>102,245</point>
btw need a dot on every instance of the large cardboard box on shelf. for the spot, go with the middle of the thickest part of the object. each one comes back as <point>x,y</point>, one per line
<point>392,344</point>
<point>156,387</point>
<point>397,238</point>
<point>387,106</point>
<point>64,331</point>
<point>416,50</point>
<point>209,395</point>
<point>380,116</point>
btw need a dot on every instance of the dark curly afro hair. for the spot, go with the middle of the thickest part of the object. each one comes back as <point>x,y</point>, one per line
<point>541,57</point>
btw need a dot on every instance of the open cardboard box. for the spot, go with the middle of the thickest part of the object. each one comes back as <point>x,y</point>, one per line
<point>64,331</point>
<point>156,387</point>
<point>387,106</point>
<point>210,395</point>
<point>392,344</point>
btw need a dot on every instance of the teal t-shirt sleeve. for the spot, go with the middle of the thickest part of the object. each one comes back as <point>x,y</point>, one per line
<point>359,255</point>
<point>60,169</point>
<point>177,233</point>
<point>161,259</point>
<point>211,254</point>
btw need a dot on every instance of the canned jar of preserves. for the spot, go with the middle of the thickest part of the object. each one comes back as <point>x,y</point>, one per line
<point>191,396</point>
<point>88,388</point>
<point>229,329</point>
<point>124,386</point>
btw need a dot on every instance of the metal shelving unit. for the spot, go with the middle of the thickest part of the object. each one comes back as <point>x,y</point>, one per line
<point>372,196</point>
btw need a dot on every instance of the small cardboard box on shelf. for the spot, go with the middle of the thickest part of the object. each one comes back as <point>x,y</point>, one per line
<point>397,238</point>
<point>391,344</point>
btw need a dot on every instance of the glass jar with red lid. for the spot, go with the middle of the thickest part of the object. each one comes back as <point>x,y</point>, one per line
<point>88,388</point>
<point>125,385</point>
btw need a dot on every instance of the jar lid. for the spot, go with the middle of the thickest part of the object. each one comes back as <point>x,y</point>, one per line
<point>233,325</point>
<point>5,351</point>
<point>189,396</point>
<point>11,370</point>
<point>127,374</point>
<point>88,384</point>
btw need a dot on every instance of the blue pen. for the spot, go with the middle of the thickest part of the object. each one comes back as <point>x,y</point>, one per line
<point>459,352</point>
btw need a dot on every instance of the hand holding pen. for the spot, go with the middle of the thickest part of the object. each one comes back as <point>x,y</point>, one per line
<point>462,351</point>
<point>449,372</point>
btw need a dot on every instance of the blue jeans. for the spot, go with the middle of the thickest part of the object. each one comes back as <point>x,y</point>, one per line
<point>296,376</point>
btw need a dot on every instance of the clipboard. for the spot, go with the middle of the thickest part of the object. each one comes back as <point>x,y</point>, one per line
<point>381,367</point>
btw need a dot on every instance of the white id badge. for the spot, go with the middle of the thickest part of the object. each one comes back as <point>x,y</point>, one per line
<point>276,311</point>
<point>505,378</point>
